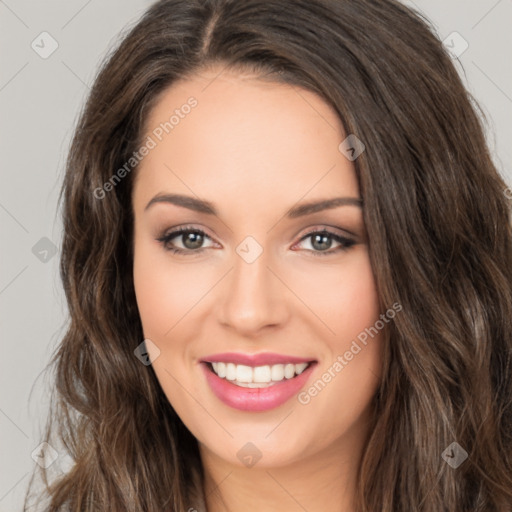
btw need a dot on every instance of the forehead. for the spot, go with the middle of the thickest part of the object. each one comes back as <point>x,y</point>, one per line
<point>245,138</point>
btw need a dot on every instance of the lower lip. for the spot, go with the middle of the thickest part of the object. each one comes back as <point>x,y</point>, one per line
<point>255,399</point>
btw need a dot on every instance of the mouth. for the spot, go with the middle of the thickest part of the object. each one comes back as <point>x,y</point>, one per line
<point>256,382</point>
<point>258,376</point>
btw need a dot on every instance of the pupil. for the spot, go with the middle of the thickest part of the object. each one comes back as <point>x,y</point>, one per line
<point>322,245</point>
<point>196,240</point>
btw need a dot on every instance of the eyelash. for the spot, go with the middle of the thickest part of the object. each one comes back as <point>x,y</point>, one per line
<point>346,243</point>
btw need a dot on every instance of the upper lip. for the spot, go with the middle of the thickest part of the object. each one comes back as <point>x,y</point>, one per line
<point>262,359</point>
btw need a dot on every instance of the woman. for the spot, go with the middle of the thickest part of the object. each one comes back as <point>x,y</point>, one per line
<point>213,361</point>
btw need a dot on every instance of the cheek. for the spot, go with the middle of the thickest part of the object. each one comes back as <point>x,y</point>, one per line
<point>349,375</point>
<point>150,289</point>
<point>343,296</point>
<point>165,291</point>
<point>359,303</point>
<point>164,294</point>
<point>357,339</point>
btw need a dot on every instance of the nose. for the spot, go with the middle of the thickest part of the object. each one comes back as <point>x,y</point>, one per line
<point>252,297</point>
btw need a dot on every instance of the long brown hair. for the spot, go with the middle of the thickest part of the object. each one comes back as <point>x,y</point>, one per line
<point>440,244</point>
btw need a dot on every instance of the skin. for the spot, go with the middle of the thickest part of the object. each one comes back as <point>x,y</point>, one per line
<point>255,149</point>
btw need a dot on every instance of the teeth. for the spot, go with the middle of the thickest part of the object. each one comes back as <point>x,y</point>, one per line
<point>258,376</point>
<point>277,372</point>
<point>262,374</point>
<point>243,373</point>
<point>289,371</point>
<point>230,371</point>
<point>221,369</point>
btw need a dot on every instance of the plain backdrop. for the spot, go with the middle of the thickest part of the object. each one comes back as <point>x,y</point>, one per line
<point>40,99</point>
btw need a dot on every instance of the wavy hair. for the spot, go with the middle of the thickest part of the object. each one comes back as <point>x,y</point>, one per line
<point>440,244</point>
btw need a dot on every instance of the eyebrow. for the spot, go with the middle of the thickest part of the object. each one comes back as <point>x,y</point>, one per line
<point>203,206</point>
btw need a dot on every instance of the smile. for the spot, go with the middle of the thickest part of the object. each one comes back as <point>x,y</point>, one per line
<point>256,383</point>
<point>259,376</point>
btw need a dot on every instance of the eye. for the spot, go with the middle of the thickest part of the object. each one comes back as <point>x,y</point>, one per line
<point>191,239</point>
<point>321,241</point>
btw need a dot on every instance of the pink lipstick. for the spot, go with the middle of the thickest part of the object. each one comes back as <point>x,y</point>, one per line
<point>256,382</point>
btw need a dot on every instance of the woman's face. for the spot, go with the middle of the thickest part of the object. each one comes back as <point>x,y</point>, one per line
<point>281,311</point>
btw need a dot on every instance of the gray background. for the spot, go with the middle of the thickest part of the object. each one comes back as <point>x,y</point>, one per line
<point>39,102</point>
